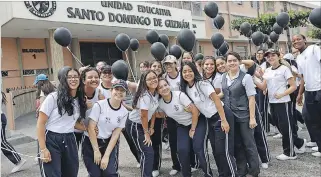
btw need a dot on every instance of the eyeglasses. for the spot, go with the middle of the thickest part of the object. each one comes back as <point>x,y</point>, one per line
<point>72,77</point>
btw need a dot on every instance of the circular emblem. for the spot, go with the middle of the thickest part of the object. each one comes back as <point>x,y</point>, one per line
<point>42,9</point>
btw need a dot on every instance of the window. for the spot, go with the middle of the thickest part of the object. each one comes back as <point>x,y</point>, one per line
<point>4,73</point>
<point>166,3</point>
<point>269,5</point>
<point>242,50</point>
<point>186,5</point>
<point>29,72</point>
<point>255,4</point>
<point>197,9</point>
<point>200,49</point>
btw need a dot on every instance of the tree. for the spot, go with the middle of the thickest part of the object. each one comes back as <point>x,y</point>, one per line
<point>315,33</point>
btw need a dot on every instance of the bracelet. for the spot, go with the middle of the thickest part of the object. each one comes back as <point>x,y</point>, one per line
<point>43,150</point>
<point>193,130</point>
<point>151,127</point>
<point>146,131</point>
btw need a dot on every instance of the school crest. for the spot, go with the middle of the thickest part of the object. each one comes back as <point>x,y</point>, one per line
<point>42,9</point>
<point>176,107</point>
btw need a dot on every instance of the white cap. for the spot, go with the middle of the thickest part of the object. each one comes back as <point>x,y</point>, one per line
<point>288,56</point>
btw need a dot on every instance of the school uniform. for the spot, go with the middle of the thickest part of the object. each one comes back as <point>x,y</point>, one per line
<point>276,80</point>
<point>136,132</point>
<point>310,67</point>
<point>107,119</point>
<point>236,93</point>
<point>60,139</point>
<point>176,110</point>
<point>199,93</point>
<point>216,81</point>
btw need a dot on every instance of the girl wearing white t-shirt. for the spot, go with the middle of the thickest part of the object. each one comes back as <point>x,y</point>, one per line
<point>210,73</point>
<point>57,119</point>
<point>275,79</point>
<point>100,152</point>
<point>140,124</point>
<point>214,114</point>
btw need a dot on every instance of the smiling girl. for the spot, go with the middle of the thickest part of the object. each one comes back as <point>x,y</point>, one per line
<point>210,73</point>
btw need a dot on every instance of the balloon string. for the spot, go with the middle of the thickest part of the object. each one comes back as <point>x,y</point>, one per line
<point>130,66</point>
<point>75,57</point>
<point>23,154</point>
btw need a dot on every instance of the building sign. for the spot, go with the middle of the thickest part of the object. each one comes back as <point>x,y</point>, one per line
<point>42,9</point>
<point>33,50</point>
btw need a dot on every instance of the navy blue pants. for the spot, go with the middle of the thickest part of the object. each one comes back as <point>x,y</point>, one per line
<point>64,155</point>
<point>88,157</point>
<point>131,145</point>
<point>146,153</point>
<point>157,143</point>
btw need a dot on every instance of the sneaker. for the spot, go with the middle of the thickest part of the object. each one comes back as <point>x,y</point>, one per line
<point>265,165</point>
<point>155,173</point>
<point>279,135</point>
<point>166,146</point>
<point>302,149</point>
<point>316,154</point>
<point>194,169</point>
<point>18,166</point>
<point>312,144</point>
<point>138,165</point>
<point>285,157</point>
<point>173,172</point>
<point>315,149</point>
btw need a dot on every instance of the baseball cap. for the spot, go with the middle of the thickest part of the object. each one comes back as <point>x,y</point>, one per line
<point>271,51</point>
<point>170,59</point>
<point>40,77</point>
<point>288,56</point>
<point>106,69</point>
<point>120,83</point>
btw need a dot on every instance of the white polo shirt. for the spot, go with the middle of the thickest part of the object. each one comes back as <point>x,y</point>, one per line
<point>175,108</point>
<point>309,66</point>
<point>277,81</point>
<point>145,102</point>
<point>216,82</point>
<point>56,122</point>
<point>105,91</point>
<point>174,83</point>
<point>94,99</point>
<point>201,97</point>
<point>108,118</point>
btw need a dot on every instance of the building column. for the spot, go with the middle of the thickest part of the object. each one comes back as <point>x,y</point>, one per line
<point>20,62</point>
<point>196,47</point>
<point>75,49</point>
<point>57,57</point>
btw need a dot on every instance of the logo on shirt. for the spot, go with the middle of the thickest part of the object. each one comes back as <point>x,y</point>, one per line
<point>108,119</point>
<point>42,9</point>
<point>196,94</point>
<point>118,119</point>
<point>176,107</point>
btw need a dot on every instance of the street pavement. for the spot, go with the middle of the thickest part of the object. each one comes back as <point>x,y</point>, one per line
<point>24,142</point>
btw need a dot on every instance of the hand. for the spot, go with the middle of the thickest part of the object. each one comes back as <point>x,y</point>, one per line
<point>299,100</point>
<point>100,95</point>
<point>97,156</point>
<point>264,92</point>
<point>225,126</point>
<point>45,156</point>
<point>151,131</point>
<point>147,140</point>
<point>252,123</point>
<point>191,133</point>
<point>104,162</point>
<point>278,96</point>
<point>188,109</point>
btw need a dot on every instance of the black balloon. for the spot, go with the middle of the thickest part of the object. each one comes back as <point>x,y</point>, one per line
<point>134,44</point>
<point>176,51</point>
<point>186,39</point>
<point>224,48</point>
<point>122,42</point>
<point>211,9</point>
<point>62,71</point>
<point>120,70</point>
<point>217,40</point>
<point>277,29</point>
<point>315,17</point>
<point>219,22</point>
<point>152,36</point>
<point>248,34</point>
<point>158,50</point>
<point>257,38</point>
<point>245,28</point>
<point>283,19</point>
<point>163,38</point>
<point>266,38</point>
<point>198,56</point>
<point>274,37</point>
<point>62,36</point>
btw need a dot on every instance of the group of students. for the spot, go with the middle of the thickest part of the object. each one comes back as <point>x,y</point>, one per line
<point>225,100</point>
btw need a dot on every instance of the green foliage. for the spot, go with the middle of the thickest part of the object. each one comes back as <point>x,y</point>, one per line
<point>315,33</point>
<point>266,21</point>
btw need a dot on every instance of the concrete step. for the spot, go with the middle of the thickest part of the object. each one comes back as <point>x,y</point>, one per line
<point>18,139</point>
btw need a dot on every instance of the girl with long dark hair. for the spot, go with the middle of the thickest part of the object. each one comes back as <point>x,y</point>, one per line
<point>275,79</point>
<point>57,119</point>
<point>210,73</point>
<point>100,151</point>
<point>214,114</point>
<point>140,124</point>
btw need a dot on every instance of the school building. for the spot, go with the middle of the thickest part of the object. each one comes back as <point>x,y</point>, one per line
<point>27,27</point>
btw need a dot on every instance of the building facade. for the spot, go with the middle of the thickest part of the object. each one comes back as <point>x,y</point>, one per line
<point>28,47</point>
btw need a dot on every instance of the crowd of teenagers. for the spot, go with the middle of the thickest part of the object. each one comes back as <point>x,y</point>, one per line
<point>227,101</point>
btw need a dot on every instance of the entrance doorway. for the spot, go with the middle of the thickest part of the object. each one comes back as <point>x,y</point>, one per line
<point>93,52</point>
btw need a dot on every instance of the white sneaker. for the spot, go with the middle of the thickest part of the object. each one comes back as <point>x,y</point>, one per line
<point>315,149</point>
<point>155,173</point>
<point>299,129</point>
<point>312,144</point>
<point>316,154</point>
<point>166,146</point>
<point>279,135</point>
<point>265,165</point>
<point>173,172</point>
<point>302,149</point>
<point>285,157</point>
<point>18,166</point>
<point>194,169</point>
<point>138,165</point>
